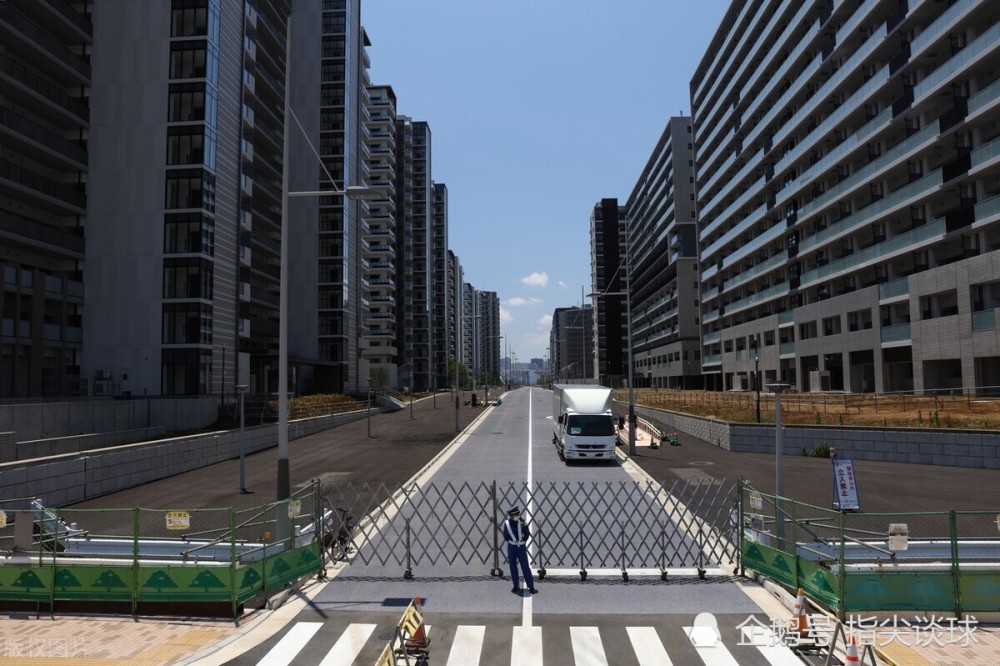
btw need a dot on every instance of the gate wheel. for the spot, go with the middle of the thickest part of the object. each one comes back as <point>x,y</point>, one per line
<point>408,574</point>
<point>663,575</point>
<point>701,573</point>
<point>625,576</point>
<point>583,574</point>
<point>541,574</point>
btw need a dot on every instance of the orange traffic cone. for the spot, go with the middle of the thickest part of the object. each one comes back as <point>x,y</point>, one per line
<point>800,623</point>
<point>852,650</point>
<point>418,640</point>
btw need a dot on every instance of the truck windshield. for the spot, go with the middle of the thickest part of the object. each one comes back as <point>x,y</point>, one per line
<point>590,425</point>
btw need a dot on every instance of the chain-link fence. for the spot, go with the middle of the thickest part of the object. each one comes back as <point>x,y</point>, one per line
<point>931,561</point>
<point>144,556</point>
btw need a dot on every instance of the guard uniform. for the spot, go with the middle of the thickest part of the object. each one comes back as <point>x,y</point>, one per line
<point>516,535</point>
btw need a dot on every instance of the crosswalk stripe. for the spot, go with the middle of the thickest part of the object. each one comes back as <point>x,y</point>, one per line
<point>713,655</point>
<point>526,647</point>
<point>587,647</point>
<point>348,646</point>
<point>467,646</point>
<point>769,646</point>
<point>647,646</point>
<point>290,644</point>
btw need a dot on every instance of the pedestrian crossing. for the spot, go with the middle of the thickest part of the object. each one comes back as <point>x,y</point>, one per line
<point>682,643</point>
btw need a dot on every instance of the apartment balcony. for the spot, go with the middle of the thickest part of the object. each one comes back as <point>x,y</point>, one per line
<point>897,335</point>
<point>42,144</point>
<point>896,290</point>
<point>62,63</point>
<point>40,94</point>
<point>44,192</point>
<point>711,359</point>
<point>786,349</point>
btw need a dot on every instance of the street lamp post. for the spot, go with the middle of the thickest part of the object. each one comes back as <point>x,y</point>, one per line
<point>368,408</point>
<point>756,374</point>
<point>242,388</point>
<point>779,471</point>
<point>351,192</point>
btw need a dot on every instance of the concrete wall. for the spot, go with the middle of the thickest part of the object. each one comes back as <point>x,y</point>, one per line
<point>45,420</point>
<point>957,448</point>
<point>70,478</point>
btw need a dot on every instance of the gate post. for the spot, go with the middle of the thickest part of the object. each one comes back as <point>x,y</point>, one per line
<point>408,574</point>
<point>624,571</point>
<point>663,552</point>
<point>955,572</point>
<point>739,517</point>
<point>495,571</point>
<point>583,568</point>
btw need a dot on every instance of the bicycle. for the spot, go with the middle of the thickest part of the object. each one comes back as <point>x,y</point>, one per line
<point>339,542</point>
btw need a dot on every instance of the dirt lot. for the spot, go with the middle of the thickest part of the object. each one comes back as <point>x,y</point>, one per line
<point>869,409</point>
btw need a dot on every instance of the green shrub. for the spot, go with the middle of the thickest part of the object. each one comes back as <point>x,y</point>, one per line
<point>821,450</point>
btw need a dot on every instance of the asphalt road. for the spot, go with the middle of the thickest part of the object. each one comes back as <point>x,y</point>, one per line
<point>401,446</point>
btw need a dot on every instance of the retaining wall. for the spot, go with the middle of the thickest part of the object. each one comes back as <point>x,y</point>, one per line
<point>70,478</point>
<point>923,446</point>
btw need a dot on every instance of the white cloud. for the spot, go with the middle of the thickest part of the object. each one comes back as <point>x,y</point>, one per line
<point>561,284</point>
<point>545,320</point>
<point>505,316</point>
<point>536,280</point>
<point>517,301</point>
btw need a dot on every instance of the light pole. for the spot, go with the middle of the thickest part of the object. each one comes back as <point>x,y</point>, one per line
<point>457,392</point>
<point>368,409</point>
<point>242,388</point>
<point>351,192</point>
<point>628,334</point>
<point>779,471</point>
<point>756,373</point>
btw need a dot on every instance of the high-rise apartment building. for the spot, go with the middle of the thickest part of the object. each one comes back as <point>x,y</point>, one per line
<point>847,195</point>
<point>380,240</point>
<point>441,302</point>
<point>662,242</point>
<point>571,344</point>
<point>609,273</point>
<point>45,117</point>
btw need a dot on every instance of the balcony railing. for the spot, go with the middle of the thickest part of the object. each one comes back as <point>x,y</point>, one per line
<point>900,287</point>
<point>896,333</point>
<point>984,321</point>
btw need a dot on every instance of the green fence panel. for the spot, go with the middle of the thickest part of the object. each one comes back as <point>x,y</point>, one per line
<point>818,582</point>
<point>93,583</point>
<point>184,583</point>
<point>249,581</point>
<point>289,566</point>
<point>980,591</point>
<point>25,582</point>
<point>771,562</point>
<point>899,590</point>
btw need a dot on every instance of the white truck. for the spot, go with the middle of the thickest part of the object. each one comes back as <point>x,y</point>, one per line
<point>583,427</point>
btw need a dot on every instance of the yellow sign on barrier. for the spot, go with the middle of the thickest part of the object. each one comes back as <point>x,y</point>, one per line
<point>178,520</point>
<point>3,519</point>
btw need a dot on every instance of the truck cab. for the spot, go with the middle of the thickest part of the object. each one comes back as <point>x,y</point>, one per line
<point>583,424</point>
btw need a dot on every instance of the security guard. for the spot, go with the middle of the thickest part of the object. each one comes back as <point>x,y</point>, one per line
<point>516,534</point>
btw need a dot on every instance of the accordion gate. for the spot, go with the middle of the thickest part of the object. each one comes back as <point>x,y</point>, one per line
<point>626,525</point>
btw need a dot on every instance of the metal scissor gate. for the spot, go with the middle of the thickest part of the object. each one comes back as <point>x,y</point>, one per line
<point>580,525</point>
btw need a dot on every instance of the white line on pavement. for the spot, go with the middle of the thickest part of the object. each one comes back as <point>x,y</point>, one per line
<point>648,648</point>
<point>467,646</point>
<point>712,655</point>
<point>587,647</point>
<point>526,647</point>
<point>348,646</point>
<point>290,644</point>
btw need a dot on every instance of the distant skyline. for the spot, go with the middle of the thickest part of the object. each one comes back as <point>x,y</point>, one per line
<point>538,110</point>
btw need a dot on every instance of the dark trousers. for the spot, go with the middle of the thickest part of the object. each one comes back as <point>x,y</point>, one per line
<point>519,555</point>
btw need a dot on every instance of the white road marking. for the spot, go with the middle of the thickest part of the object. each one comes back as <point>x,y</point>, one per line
<point>713,655</point>
<point>587,647</point>
<point>526,647</point>
<point>467,646</point>
<point>527,605</point>
<point>348,646</point>
<point>648,648</point>
<point>290,644</point>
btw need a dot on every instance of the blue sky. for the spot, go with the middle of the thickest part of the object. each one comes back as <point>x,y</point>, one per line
<point>537,109</point>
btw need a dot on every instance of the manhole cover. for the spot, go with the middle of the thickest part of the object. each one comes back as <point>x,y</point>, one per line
<point>693,475</point>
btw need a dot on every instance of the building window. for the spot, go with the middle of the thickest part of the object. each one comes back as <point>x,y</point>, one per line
<point>188,60</point>
<point>188,233</point>
<point>187,277</point>
<point>190,188</point>
<point>185,371</point>
<point>185,144</point>
<point>189,21</point>
<point>187,323</point>
<point>188,102</point>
